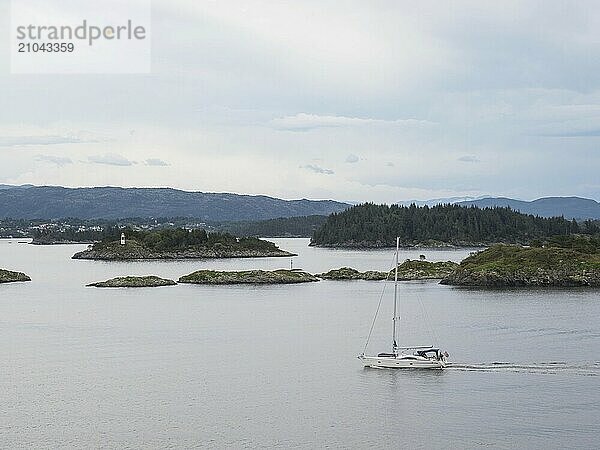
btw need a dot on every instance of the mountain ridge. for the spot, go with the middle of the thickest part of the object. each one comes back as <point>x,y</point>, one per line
<point>108,202</point>
<point>571,207</point>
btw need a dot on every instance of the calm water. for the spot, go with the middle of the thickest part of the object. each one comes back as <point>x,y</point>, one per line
<point>270,366</point>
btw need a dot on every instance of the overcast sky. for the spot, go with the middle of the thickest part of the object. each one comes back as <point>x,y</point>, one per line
<point>351,100</point>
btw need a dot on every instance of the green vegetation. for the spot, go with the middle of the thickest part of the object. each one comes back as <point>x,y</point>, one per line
<point>248,277</point>
<point>181,239</point>
<point>348,273</point>
<point>73,235</point>
<point>147,281</point>
<point>424,270</point>
<point>408,270</point>
<point>371,225</point>
<point>579,243</point>
<point>8,276</point>
<point>283,227</point>
<point>562,261</point>
<point>180,243</point>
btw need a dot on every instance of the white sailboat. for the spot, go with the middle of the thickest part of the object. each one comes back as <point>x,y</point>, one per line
<point>416,357</point>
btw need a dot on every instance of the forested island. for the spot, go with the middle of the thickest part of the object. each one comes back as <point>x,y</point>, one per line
<point>372,226</point>
<point>179,244</point>
<point>562,261</point>
<point>8,276</point>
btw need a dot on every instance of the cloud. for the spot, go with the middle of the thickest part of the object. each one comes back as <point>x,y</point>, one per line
<point>469,159</point>
<point>23,141</point>
<point>351,158</point>
<point>318,169</point>
<point>58,160</point>
<point>110,159</point>
<point>389,164</point>
<point>306,122</point>
<point>155,162</point>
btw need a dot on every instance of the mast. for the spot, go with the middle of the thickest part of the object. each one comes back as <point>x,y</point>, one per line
<point>394,344</point>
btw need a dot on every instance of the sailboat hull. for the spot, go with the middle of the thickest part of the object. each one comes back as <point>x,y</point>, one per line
<point>401,362</point>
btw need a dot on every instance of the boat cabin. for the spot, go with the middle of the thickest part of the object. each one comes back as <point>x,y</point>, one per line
<point>430,353</point>
<point>423,352</point>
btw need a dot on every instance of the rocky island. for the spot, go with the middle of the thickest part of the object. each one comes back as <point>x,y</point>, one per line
<point>281,276</point>
<point>407,271</point>
<point>348,273</point>
<point>179,244</point>
<point>424,270</point>
<point>147,281</point>
<point>8,276</point>
<point>564,261</point>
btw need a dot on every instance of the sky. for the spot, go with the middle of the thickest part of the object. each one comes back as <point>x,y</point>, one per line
<point>356,101</point>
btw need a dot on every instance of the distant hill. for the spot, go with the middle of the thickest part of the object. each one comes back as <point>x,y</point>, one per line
<point>569,207</point>
<point>281,227</point>
<point>51,202</point>
<point>438,201</point>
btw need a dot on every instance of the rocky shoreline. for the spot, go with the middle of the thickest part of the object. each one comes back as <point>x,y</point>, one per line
<point>8,276</point>
<point>133,250</point>
<point>515,266</point>
<point>134,282</point>
<point>38,241</point>
<point>409,270</point>
<point>248,277</point>
<point>348,273</point>
<point>429,244</point>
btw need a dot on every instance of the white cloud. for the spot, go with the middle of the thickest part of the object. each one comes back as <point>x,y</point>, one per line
<point>58,160</point>
<point>156,162</point>
<point>111,159</point>
<point>306,122</point>
<point>318,169</point>
<point>352,158</point>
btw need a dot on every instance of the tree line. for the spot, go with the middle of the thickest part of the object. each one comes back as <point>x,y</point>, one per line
<point>169,239</point>
<point>371,225</point>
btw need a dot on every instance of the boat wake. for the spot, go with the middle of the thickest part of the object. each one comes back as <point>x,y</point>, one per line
<point>590,369</point>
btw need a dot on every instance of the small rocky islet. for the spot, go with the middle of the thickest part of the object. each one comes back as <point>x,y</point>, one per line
<point>407,271</point>
<point>282,276</point>
<point>134,282</point>
<point>424,270</point>
<point>348,273</point>
<point>8,276</point>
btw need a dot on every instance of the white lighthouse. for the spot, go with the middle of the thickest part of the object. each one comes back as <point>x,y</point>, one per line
<point>122,238</point>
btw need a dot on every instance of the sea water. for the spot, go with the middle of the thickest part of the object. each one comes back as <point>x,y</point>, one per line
<point>276,366</point>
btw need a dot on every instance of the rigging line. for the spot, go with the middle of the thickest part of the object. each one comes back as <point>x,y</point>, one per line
<point>427,319</point>
<point>378,305</point>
